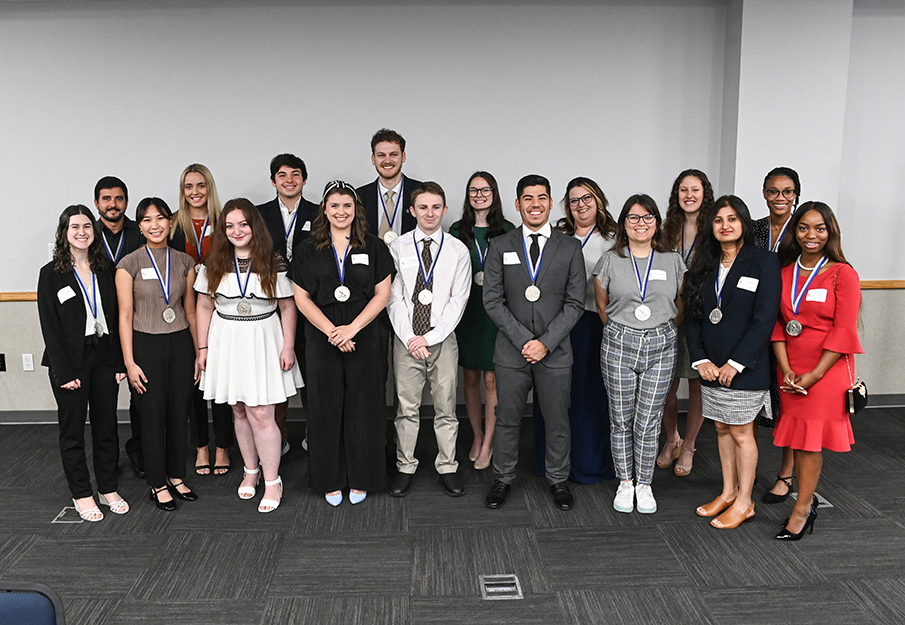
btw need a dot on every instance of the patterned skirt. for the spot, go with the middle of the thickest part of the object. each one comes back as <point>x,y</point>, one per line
<point>732,406</point>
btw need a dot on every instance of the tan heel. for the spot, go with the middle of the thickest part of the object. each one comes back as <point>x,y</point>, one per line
<point>664,460</point>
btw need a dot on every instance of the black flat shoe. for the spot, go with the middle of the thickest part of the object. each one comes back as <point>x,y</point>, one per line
<point>562,496</point>
<point>452,484</point>
<point>773,497</point>
<point>166,506</point>
<point>189,496</point>
<point>497,494</point>
<point>785,534</point>
<point>401,484</point>
<point>138,465</point>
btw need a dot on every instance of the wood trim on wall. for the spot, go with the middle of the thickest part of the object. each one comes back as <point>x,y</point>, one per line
<point>22,296</point>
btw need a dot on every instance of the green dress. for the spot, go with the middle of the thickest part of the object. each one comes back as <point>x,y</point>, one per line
<point>476,333</point>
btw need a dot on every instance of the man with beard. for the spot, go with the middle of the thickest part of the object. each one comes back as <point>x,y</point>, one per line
<point>387,199</point>
<point>120,236</point>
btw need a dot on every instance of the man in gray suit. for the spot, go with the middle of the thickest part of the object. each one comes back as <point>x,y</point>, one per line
<point>534,288</point>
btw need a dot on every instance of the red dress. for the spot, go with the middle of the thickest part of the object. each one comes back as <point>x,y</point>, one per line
<point>819,420</point>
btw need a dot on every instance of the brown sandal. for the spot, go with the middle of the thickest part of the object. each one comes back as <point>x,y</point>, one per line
<point>714,507</point>
<point>684,469</point>
<point>731,519</point>
<point>664,460</point>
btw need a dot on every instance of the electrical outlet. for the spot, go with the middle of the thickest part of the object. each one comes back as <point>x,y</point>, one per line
<point>2,362</point>
<point>28,362</point>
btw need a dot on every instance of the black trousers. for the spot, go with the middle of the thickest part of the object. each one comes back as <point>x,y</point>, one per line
<point>222,416</point>
<point>133,445</point>
<point>168,362</point>
<point>99,392</point>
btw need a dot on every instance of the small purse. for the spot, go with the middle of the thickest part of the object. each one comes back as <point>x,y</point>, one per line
<point>856,395</point>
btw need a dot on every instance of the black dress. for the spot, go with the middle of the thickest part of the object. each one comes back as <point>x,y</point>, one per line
<point>346,428</point>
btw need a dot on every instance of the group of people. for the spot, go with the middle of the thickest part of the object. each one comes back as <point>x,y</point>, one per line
<point>201,305</point>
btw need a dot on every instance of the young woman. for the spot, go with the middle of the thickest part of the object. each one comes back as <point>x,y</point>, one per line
<point>156,328</point>
<point>782,188</point>
<point>732,298</point>
<point>637,290</point>
<point>246,352</point>
<point>78,314</point>
<point>191,232</point>
<point>588,220</point>
<point>689,200</point>
<point>815,341</point>
<point>482,220</point>
<point>342,279</point>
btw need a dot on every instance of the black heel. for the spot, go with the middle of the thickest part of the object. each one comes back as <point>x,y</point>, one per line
<point>785,534</point>
<point>189,496</point>
<point>773,497</point>
<point>166,506</point>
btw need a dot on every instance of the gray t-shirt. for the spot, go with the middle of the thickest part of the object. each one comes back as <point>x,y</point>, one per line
<point>617,277</point>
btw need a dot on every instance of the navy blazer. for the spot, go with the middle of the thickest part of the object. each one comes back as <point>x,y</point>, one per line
<point>63,323</point>
<point>273,219</point>
<point>743,334</point>
<point>373,208</point>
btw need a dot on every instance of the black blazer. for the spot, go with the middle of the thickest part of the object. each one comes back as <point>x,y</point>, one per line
<point>132,237</point>
<point>743,335</point>
<point>273,218</point>
<point>368,196</point>
<point>63,324</point>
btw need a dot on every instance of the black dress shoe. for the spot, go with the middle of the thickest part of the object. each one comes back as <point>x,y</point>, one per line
<point>452,484</point>
<point>138,465</point>
<point>189,496</point>
<point>401,484</point>
<point>496,496</point>
<point>166,506</point>
<point>562,496</point>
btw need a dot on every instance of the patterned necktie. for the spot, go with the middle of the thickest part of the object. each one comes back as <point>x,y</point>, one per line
<point>421,316</point>
<point>534,250</point>
<point>389,198</point>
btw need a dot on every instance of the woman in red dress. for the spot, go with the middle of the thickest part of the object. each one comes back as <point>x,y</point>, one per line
<point>814,340</point>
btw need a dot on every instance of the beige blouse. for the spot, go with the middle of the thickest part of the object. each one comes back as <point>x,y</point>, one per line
<point>148,303</point>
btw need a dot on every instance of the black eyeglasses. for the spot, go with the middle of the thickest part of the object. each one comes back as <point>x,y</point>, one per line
<point>789,194</point>
<point>474,191</point>
<point>633,219</point>
<point>584,199</point>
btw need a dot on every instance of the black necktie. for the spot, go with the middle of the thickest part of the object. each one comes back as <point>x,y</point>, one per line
<point>534,251</point>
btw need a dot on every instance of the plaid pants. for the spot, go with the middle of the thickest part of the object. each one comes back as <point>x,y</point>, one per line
<point>638,367</point>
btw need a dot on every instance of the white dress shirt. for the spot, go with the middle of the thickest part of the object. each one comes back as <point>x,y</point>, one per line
<point>397,201</point>
<point>451,284</point>
<point>545,231</point>
<point>287,221</point>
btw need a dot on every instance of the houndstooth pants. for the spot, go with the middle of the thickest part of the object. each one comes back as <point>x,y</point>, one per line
<point>638,367</point>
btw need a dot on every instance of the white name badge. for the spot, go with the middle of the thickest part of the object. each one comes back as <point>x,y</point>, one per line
<point>66,293</point>
<point>816,295</point>
<point>306,227</point>
<point>411,261</point>
<point>148,273</point>
<point>359,259</point>
<point>510,258</point>
<point>657,274</point>
<point>749,284</point>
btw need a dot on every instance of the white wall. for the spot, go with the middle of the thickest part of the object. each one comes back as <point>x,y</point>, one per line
<point>629,95</point>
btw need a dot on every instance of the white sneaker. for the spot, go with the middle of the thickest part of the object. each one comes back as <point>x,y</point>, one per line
<point>305,444</point>
<point>625,497</point>
<point>285,449</point>
<point>645,496</point>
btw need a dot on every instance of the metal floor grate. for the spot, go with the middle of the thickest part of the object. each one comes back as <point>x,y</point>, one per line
<point>500,587</point>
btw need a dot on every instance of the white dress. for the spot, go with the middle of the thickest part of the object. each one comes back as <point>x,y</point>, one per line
<point>243,351</point>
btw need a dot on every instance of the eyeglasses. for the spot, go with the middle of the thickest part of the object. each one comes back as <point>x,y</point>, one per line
<point>474,191</point>
<point>633,219</point>
<point>584,199</point>
<point>789,194</point>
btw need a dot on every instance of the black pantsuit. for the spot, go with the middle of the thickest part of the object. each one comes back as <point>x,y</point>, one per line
<point>167,361</point>
<point>99,390</point>
<point>222,417</point>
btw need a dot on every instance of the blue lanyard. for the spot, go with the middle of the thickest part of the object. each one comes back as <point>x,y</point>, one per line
<point>588,238</point>
<point>796,299</point>
<point>427,278</point>
<point>687,257</point>
<point>119,248</point>
<point>396,203</point>
<point>242,289</point>
<point>93,303</point>
<point>340,266</point>
<point>482,254</point>
<point>719,287</point>
<point>642,286</point>
<point>533,273</point>
<point>198,241</point>
<point>774,246</point>
<point>165,287</point>
<point>288,230</point>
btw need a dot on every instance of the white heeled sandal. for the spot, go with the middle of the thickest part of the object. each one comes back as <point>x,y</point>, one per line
<point>247,492</point>
<point>269,505</point>
<point>116,507</point>
<point>93,515</point>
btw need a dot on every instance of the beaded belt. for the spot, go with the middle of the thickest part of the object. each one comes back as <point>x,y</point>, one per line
<point>249,318</point>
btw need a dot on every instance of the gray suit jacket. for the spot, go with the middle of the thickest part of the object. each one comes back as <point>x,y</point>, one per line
<point>561,280</point>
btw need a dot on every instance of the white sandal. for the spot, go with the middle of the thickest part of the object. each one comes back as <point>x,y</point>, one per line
<point>89,515</point>
<point>247,492</point>
<point>116,507</point>
<point>271,503</point>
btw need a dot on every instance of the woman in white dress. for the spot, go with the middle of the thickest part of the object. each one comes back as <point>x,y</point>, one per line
<point>245,351</point>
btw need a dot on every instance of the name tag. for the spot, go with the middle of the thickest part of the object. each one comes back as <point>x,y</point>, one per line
<point>749,284</point>
<point>359,259</point>
<point>411,261</point>
<point>206,232</point>
<point>816,295</point>
<point>306,227</point>
<point>510,258</point>
<point>66,293</point>
<point>148,273</point>
<point>657,274</point>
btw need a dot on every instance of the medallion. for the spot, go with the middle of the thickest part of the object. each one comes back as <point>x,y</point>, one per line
<point>794,327</point>
<point>642,312</point>
<point>98,329</point>
<point>389,236</point>
<point>716,315</point>
<point>426,297</point>
<point>342,293</point>
<point>479,278</point>
<point>532,293</point>
<point>243,307</point>
<point>169,315</point>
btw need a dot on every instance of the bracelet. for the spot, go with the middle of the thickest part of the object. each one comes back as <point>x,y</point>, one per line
<point>200,348</point>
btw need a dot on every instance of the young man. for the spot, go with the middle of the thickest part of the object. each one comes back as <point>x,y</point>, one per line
<point>387,198</point>
<point>289,218</point>
<point>120,236</point>
<point>534,288</point>
<point>433,281</point>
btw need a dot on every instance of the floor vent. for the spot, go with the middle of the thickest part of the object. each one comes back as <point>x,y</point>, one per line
<point>500,587</point>
<point>821,501</point>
